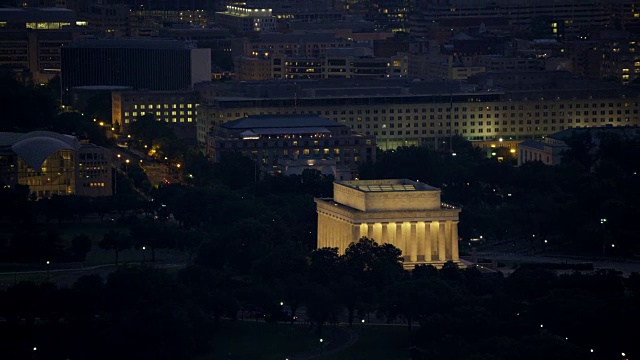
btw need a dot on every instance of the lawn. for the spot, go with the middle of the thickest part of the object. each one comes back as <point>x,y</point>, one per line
<point>377,342</point>
<point>240,340</point>
<point>247,340</point>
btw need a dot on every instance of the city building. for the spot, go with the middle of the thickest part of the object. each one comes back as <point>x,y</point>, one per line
<point>243,19</point>
<point>109,19</point>
<point>401,112</point>
<point>611,55</point>
<point>151,22</point>
<point>217,39</point>
<point>299,43</point>
<point>156,64</point>
<point>31,40</point>
<point>54,164</point>
<point>576,15</point>
<point>550,150</point>
<point>325,166</point>
<point>406,214</point>
<point>274,140</point>
<point>177,108</point>
<point>333,63</point>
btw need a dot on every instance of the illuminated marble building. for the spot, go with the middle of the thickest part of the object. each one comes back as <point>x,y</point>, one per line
<point>404,213</point>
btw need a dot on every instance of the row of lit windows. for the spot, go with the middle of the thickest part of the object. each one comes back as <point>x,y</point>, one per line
<point>457,109</point>
<point>173,120</point>
<point>165,106</point>
<point>158,113</point>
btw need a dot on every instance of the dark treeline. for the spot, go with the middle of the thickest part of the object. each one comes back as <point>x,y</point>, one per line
<point>561,203</point>
<point>141,312</point>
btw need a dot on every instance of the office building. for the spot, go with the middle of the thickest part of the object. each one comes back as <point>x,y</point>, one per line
<point>577,16</point>
<point>303,43</point>
<point>333,63</point>
<point>245,20</point>
<point>156,64</point>
<point>31,40</point>
<point>404,213</point>
<point>274,140</point>
<point>176,108</point>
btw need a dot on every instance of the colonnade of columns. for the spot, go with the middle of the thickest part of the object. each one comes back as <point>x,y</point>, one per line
<point>420,241</point>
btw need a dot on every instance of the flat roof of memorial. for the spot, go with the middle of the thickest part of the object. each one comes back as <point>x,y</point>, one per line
<point>387,185</point>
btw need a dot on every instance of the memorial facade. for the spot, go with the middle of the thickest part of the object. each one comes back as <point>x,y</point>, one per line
<point>406,214</point>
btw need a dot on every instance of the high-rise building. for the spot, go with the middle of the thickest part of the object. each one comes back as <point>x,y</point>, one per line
<point>142,64</point>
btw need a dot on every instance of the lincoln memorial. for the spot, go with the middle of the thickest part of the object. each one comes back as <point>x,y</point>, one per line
<point>406,214</point>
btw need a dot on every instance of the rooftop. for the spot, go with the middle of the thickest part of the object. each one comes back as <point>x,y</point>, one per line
<point>20,15</point>
<point>127,43</point>
<point>387,185</point>
<point>532,144</point>
<point>281,121</point>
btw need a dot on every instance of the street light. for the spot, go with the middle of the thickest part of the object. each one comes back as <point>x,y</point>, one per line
<point>321,341</point>
<point>47,273</point>
<point>602,222</point>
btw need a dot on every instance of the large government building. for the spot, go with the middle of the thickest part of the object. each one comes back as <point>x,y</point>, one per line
<point>404,213</point>
<point>399,112</point>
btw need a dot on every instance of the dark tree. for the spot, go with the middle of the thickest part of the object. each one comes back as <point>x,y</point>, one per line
<point>116,241</point>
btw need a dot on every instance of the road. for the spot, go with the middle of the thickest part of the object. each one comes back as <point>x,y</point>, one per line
<point>626,267</point>
<point>156,172</point>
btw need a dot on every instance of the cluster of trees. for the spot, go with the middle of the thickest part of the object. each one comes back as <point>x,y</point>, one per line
<point>138,313</point>
<point>596,180</point>
<point>451,313</point>
<point>30,108</point>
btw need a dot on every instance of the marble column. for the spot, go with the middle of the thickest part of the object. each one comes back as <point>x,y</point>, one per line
<point>447,236</point>
<point>413,242</point>
<point>384,239</point>
<point>370,230</point>
<point>398,241</point>
<point>455,256</point>
<point>441,242</point>
<point>427,241</point>
<point>355,233</point>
